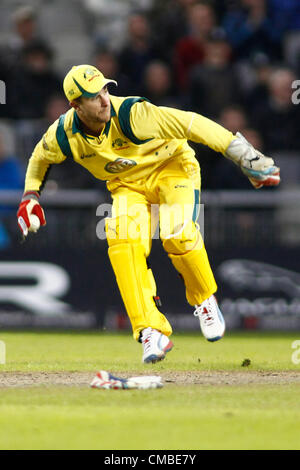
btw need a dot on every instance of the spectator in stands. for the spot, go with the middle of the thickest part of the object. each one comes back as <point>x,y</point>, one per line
<point>33,82</point>
<point>214,84</point>
<point>4,77</point>
<point>227,176</point>
<point>233,118</point>
<point>190,50</point>
<point>169,20</point>
<point>11,178</point>
<point>25,25</point>
<point>277,117</point>
<point>285,13</point>
<point>56,106</point>
<point>11,171</point>
<point>255,138</point>
<point>25,30</point>
<point>250,30</point>
<point>253,76</point>
<point>158,85</point>
<point>107,61</point>
<point>139,50</point>
<point>29,131</point>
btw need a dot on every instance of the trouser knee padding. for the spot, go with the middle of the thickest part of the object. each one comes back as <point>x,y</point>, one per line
<point>188,255</point>
<point>186,238</point>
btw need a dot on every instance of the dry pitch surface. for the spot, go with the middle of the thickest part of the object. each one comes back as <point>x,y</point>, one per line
<point>83,379</point>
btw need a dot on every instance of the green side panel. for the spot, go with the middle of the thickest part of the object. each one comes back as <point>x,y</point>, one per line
<point>196,205</point>
<point>124,119</point>
<point>62,138</point>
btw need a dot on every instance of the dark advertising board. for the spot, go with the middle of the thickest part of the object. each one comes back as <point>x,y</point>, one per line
<point>74,287</point>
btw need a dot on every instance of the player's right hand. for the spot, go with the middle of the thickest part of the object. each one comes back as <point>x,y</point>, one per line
<point>28,206</point>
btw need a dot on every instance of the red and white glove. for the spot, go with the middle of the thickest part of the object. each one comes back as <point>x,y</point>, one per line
<point>260,169</point>
<point>30,206</point>
<point>105,380</point>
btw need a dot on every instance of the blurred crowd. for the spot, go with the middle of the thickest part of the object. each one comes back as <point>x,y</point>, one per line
<point>234,61</point>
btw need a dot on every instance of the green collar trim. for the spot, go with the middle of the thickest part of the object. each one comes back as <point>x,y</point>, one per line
<point>112,110</point>
<point>76,126</point>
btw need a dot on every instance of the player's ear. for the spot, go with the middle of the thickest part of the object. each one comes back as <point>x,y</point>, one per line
<point>75,103</point>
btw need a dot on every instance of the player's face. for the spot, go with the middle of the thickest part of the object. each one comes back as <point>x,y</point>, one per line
<point>96,109</point>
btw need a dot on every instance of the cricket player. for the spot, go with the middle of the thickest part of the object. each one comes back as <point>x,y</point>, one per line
<point>142,153</point>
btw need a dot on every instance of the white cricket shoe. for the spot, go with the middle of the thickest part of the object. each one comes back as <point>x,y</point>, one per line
<point>212,323</point>
<point>155,344</point>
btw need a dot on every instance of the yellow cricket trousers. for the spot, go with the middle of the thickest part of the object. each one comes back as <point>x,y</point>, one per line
<point>170,196</point>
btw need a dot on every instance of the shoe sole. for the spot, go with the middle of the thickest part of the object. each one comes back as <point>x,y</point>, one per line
<point>216,338</point>
<point>155,358</point>
<point>212,340</point>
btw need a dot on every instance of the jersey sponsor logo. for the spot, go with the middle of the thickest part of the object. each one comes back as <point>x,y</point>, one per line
<point>120,144</point>
<point>119,165</point>
<point>89,155</point>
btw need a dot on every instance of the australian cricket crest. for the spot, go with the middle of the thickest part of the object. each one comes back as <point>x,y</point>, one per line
<point>119,165</point>
<point>90,73</point>
<point>120,144</point>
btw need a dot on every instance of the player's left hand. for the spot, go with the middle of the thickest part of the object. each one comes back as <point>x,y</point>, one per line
<point>260,169</point>
<point>261,172</point>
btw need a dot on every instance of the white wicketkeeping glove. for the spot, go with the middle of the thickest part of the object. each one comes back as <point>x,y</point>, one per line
<point>260,169</point>
<point>105,380</point>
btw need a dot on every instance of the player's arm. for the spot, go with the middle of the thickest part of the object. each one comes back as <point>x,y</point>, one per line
<point>169,123</point>
<point>46,152</point>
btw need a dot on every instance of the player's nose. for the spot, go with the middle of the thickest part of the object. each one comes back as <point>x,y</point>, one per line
<point>104,100</point>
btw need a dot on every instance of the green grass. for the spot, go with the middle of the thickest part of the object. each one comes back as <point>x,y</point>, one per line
<point>253,416</point>
<point>192,417</point>
<point>89,351</point>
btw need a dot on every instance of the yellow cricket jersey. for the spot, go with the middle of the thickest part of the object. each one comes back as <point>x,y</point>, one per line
<point>138,139</point>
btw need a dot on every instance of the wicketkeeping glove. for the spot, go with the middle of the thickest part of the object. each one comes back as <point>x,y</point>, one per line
<point>29,206</point>
<point>260,170</point>
<point>105,380</point>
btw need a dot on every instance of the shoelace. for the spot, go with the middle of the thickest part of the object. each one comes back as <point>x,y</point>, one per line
<point>204,311</point>
<point>147,341</point>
